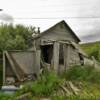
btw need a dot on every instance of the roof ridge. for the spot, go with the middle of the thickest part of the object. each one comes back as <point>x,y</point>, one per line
<point>62,21</point>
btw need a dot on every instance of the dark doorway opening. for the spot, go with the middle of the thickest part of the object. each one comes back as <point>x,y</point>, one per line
<point>81,59</point>
<point>47,53</point>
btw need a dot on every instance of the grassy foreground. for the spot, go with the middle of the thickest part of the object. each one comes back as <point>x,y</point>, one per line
<point>85,78</point>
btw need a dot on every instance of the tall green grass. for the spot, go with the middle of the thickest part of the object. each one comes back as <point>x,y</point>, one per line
<point>6,97</point>
<point>44,86</point>
<point>49,83</point>
<point>74,97</point>
<point>92,49</point>
<point>83,73</point>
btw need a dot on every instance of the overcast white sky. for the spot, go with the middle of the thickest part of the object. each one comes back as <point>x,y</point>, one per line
<point>88,29</point>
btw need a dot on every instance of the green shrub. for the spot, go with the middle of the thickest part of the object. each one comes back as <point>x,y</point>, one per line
<point>75,97</point>
<point>92,49</point>
<point>59,98</point>
<point>48,84</point>
<point>44,86</point>
<point>83,73</point>
<point>6,97</point>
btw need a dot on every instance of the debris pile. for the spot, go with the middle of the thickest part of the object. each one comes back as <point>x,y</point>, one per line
<point>68,88</point>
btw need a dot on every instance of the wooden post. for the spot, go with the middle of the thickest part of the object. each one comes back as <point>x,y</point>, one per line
<point>37,62</point>
<point>4,68</point>
<point>66,50</point>
<point>56,56</point>
<point>34,46</point>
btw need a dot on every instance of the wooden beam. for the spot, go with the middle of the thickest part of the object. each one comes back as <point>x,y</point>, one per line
<point>66,50</point>
<point>13,65</point>
<point>34,46</point>
<point>56,56</point>
<point>37,62</point>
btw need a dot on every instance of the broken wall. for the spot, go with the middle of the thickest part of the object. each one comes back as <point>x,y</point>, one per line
<point>20,64</point>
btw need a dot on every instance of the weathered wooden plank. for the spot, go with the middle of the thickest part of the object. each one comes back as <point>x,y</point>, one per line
<point>66,50</point>
<point>12,65</point>
<point>34,46</point>
<point>56,56</point>
<point>46,42</point>
<point>37,62</point>
<point>65,56</point>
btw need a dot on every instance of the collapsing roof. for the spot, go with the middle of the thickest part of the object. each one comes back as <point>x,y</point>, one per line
<point>79,49</point>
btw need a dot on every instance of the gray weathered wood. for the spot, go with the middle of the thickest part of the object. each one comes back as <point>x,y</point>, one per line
<point>13,65</point>
<point>37,62</point>
<point>59,32</point>
<point>66,50</point>
<point>56,56</point>
<point>34,46</point>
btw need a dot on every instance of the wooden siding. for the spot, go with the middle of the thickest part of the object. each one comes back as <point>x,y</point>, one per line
<point>20,64</point>
<point>74,56</point>
<point>60,32</point>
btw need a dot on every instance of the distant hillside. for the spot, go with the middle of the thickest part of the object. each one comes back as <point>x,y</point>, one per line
<point>92,49</point>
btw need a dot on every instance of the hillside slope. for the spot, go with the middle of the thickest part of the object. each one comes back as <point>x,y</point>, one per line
<point>92,49</point>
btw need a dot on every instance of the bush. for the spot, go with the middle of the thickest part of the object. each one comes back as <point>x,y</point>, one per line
<point>96,54</point>
<point>48,84</point>
<point>92,49</point>
<point>44,86</point>
<point>83,73</point>
<point>6,97</point>
<point>74,97</point>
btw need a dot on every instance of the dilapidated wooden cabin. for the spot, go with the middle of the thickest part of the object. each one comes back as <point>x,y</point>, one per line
<point>59,47</point>
<point>56,48</point>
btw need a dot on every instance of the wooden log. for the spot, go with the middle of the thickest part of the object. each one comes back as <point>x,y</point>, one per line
<point>65,90</point>
<point>74,89</point>
<point>56,57</point>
